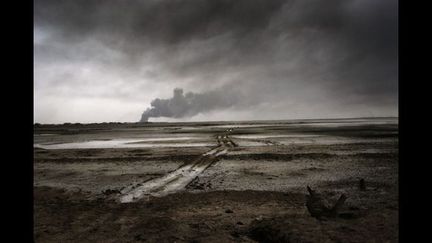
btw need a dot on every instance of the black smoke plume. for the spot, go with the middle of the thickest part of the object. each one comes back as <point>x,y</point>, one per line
<point>189,104</point>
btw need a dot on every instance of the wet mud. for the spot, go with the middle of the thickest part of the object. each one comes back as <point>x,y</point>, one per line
<point>247,184</point>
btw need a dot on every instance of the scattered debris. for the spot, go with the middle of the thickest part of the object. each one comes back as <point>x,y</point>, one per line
<point>318,207</point>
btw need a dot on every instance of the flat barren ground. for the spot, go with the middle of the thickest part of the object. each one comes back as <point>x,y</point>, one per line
<point>216,182</point>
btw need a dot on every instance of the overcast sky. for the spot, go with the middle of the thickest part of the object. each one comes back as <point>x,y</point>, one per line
<point>103,61</point>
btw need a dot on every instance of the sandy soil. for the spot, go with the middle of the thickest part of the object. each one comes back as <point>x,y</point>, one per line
<point>247,184</point>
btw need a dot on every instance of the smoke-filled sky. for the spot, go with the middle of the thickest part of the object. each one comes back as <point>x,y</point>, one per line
<point>198,60</point>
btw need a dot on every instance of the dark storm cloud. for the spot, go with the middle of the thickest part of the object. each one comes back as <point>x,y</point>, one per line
<point>169,22</point>
<point>278,51</point>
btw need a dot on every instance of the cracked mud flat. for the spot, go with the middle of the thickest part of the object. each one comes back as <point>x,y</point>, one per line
<point>248,175</point>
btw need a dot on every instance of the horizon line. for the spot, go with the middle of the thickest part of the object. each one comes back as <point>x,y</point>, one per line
<point>233,121</point>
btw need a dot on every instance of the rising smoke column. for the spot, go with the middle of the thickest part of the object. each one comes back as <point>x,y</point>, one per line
<point>189,104</point>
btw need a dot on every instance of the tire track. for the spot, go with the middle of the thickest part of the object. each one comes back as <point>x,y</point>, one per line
<point>180,178</point>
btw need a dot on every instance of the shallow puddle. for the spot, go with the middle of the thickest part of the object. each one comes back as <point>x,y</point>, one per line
<point>274,136</point>
<point>124,143</point>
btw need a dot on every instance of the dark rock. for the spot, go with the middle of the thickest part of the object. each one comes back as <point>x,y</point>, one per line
<point>109,192</point>
<point>362,185</point>
<point>348,215</point>
<point>229,211</point>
